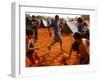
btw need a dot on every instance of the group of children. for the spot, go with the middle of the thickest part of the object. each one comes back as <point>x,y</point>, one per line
<point>81,40</point>
<point>80,45</point>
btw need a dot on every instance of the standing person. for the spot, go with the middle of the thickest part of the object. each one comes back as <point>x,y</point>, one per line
<point>86,31</point>
<point>80,25</point>
<point>35,25</point>
<point>57,34</point>
<point>81,48</point>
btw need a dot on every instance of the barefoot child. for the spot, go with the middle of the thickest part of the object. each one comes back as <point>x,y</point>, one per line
<point>81,47</point>
<point>57,34</point>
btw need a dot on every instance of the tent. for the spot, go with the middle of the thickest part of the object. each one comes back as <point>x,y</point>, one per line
<point>70,28</point>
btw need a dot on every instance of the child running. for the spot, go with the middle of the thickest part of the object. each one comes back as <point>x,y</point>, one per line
<point>81,47</point>
<point>57,34</point>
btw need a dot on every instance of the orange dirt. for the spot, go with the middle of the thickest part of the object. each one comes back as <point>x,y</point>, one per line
<point>54,57</point>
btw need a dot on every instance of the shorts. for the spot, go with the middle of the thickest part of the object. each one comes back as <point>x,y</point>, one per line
<point>57,37</point>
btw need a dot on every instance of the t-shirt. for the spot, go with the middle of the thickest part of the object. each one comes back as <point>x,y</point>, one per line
<point>56,27</point>
<point>80,27</point>
<point>34,24</point>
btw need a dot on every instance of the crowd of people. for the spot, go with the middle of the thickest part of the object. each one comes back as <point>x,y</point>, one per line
<point>80,45</point>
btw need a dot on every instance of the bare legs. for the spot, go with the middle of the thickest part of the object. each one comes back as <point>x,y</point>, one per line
<point>54,42</point>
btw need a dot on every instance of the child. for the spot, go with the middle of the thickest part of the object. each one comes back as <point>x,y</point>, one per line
<point>80,24</point>
<point>35,25</point>
<point>31,55</point>
<point>81,47</point>
<point>57,34</point>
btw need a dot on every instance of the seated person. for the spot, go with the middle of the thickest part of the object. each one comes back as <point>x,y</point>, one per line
<point>31,55</point>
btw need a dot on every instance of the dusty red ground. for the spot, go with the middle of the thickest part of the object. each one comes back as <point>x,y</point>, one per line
<point>54,57</point>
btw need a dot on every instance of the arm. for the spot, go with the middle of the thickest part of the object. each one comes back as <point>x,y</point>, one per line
<point>28,46</point>
<point>49,31</point>
<point>86,44</point>
<point>61,26</point>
